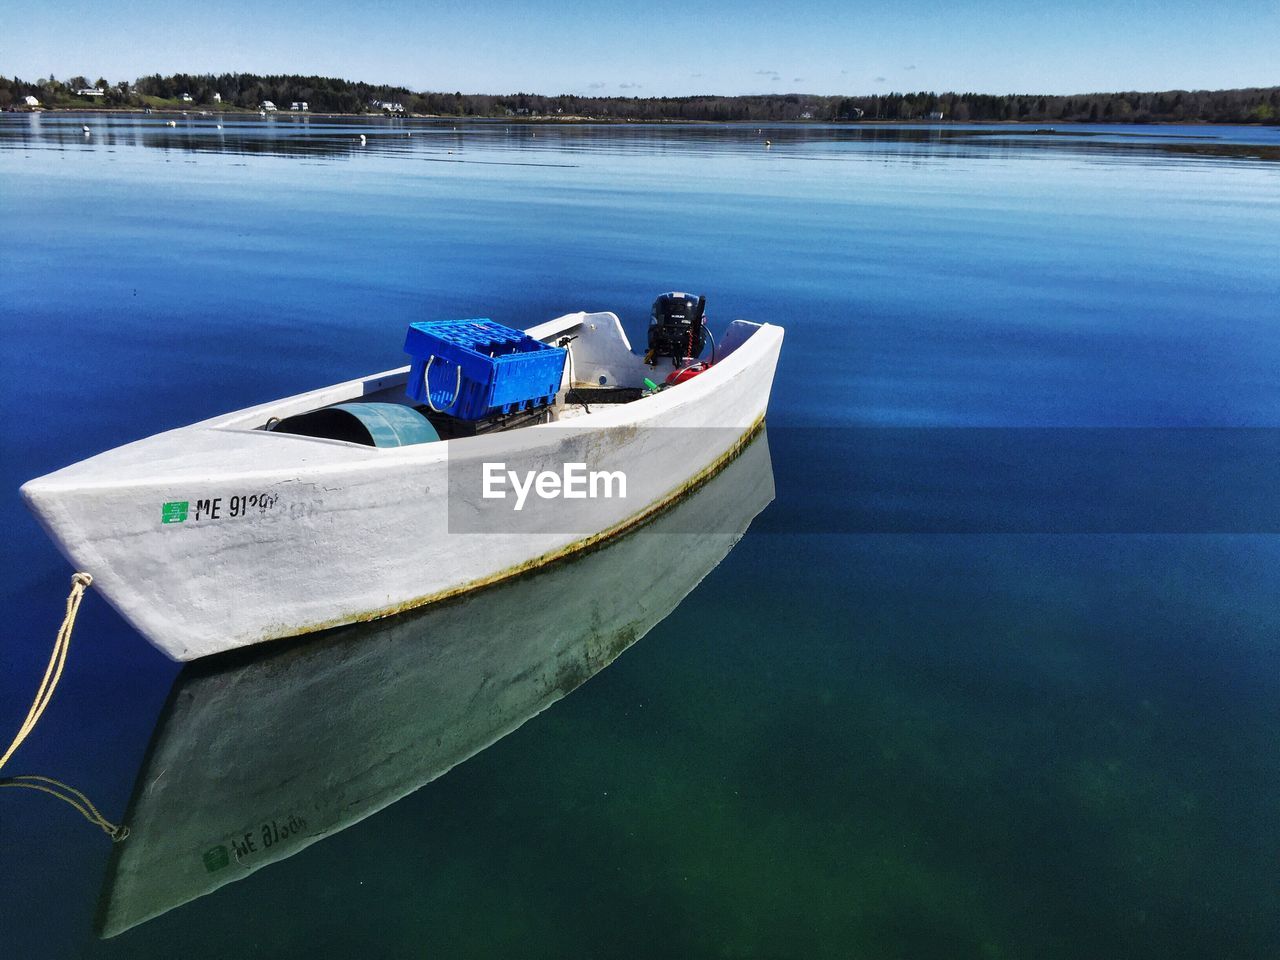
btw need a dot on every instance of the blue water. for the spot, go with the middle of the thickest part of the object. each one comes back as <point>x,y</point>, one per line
<point>1056,742</point>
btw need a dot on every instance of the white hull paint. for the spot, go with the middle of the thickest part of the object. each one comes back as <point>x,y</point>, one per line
<point>311,533</point>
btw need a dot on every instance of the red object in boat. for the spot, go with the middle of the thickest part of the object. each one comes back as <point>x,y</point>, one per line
<point>686,373</point>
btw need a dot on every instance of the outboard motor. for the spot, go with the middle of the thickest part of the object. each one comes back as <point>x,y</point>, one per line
<point>678,328</point>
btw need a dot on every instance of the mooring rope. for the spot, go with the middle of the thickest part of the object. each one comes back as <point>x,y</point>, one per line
<point>52,674</point>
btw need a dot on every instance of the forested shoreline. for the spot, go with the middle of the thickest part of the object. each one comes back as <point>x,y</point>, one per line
<point>244,91</point>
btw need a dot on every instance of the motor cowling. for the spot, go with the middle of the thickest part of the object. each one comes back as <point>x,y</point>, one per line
<point>677,329</point>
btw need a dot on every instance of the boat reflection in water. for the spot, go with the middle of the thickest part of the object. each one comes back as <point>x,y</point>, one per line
<point>261,753</point>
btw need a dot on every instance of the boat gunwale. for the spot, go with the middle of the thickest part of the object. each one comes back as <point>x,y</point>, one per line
<point>391,378</point>
<point>369,457</point>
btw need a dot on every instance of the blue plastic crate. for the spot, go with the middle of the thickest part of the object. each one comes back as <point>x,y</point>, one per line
<point>473,369</point>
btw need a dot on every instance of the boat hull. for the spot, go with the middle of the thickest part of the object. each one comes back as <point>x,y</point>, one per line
<point>218,535</point>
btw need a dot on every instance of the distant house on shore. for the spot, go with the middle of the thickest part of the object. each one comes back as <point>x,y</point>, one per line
<point>31,101</point>
<point>217,98</point>
<point>186,98</point>
<point>936,115</point>
<point>268,106</point>
<point>807,115</point>
<point>388,106</point>
<point>300,105</point>
<point>91,92</point>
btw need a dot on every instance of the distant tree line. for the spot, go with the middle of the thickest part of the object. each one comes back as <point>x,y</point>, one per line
<point>1249,105</point>
<point>331,95</point>
<point>248,90</point>
<point>53,92</point>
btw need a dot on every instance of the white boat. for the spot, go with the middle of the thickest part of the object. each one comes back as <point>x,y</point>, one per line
<point>227,532</point>
<point>262,753</point>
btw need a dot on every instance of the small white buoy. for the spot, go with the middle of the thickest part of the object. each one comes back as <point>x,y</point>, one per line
<point>409,134</point>
<point>768,143</point>
<point>173,123</point>
<point>86,130</point>
<point>363,138</point>
<point>219,126</point>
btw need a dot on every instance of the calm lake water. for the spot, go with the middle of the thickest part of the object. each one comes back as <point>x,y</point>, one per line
<point>915,712</point>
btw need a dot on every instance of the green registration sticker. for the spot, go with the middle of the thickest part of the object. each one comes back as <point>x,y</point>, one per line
<point>215,858</point>
<point>174,512</point>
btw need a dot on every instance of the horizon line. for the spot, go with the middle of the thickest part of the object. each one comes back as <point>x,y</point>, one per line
<point>675,96</point>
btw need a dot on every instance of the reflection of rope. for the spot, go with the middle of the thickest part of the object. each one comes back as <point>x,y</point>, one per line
<point>426,385</point>
<point>77,800</point>
<point>52,674</point>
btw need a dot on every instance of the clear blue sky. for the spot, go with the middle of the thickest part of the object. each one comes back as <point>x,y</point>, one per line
<point>666,46</point>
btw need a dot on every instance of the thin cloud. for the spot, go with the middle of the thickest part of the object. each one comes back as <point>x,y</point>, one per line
<point>628,86</point>
<point>598,85</point>
<point>767,73</point>
<point>912,67</point>
<point>797,79</point>
<point>882,79</point>
<point>695,76</point>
